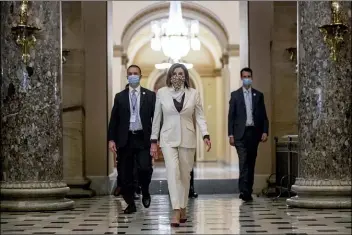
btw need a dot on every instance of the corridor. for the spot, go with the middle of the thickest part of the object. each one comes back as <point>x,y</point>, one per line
<point>209,214</point>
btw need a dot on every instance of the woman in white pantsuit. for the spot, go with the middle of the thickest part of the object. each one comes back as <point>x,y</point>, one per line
<point>176,104</point>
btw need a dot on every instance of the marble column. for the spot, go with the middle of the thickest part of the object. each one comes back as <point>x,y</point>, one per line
<point>324,112</point>
<point>31,115</point>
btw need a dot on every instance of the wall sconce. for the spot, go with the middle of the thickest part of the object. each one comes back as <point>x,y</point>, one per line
<point>65,53</point>
<point>24,33</point>
<point>293,53</point>
<point>334,32</point>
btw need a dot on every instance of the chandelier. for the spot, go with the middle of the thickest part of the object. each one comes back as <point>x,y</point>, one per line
<point>175,36</point>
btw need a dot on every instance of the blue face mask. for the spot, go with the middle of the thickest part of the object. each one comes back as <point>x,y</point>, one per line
<point>133,80</point>
<point>247,81</point>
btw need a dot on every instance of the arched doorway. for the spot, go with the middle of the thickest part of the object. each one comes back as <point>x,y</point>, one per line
<point>206,72</point>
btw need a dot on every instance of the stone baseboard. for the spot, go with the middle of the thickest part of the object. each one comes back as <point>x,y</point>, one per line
<point>260,183</point>
<point>101,185</point>
<point>80,193</point>
<point>79,187</point>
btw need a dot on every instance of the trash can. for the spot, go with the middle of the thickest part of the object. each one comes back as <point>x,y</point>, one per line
<point>286,164</point>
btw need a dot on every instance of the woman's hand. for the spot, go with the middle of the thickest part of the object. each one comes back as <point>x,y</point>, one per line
<point>208,143</point>
<point>154,150</point>
<point>112,147</point>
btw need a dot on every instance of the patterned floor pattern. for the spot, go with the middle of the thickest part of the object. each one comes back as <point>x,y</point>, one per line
<point>209,214</point>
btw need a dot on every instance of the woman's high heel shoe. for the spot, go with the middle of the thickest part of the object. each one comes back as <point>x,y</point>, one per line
<point>176,221</point>
<point>175,225</point>
<point>183,217</point>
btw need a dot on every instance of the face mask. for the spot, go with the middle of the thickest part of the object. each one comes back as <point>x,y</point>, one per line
<point>177,81</point>
<point>247,81</point>
<point>133,80</point>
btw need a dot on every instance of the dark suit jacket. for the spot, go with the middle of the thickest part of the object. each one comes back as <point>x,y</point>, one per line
<point>120,116</point>
<point>238,116</point>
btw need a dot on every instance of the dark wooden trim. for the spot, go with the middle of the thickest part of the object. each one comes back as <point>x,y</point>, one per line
<point>74,108</point>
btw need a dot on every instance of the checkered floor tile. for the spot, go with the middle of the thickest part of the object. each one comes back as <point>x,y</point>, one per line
<point>209,214</point>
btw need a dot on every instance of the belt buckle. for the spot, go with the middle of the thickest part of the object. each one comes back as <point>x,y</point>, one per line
<point>133,132</point>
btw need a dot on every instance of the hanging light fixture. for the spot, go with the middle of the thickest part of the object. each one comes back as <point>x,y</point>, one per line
<point>175,36</point>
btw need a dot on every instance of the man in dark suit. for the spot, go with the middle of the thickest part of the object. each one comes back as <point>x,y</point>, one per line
<point>129,135</point>
<point>247,125</point>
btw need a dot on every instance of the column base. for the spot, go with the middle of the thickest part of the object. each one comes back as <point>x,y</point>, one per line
<point>320,202</point>
<point>36,196</point>
<point>321,194</point>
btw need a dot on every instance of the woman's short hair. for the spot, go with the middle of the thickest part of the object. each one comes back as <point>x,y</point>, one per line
<point>170,73</point>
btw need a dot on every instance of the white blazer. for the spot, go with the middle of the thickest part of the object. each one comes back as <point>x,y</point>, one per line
<point>178,128</point>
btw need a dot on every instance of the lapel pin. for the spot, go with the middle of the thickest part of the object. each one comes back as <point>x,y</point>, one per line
<point>143,93</point>
<point>254,94</point>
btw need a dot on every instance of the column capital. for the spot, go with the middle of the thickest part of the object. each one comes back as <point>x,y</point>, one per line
<point>124,59</point>
<point>118,50</point>
<point>224,59</point>
<point>233,49</point>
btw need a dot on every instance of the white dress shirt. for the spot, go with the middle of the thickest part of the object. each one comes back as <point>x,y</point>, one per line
<point>136,111</point>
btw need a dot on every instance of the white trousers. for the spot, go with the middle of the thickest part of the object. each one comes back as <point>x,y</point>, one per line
<point>179,163</point>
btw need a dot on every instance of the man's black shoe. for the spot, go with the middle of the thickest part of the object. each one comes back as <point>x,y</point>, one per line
<point>192,193</point>
<point>130,209</point>
<point>146,201</point>
<point>241,196</point>
<point>247,198</point>
<point>117,191</point>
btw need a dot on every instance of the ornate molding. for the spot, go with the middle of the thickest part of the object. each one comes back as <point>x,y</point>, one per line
<point>117,51</point>
<point>124,60</point>
<point>233,50</point>
<point>224,59</point>
<point>217,73</point>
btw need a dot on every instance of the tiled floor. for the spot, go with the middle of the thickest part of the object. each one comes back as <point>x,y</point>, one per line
<point>209,214</point>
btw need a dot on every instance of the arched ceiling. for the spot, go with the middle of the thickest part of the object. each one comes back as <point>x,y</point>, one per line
<point>139,50</point>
